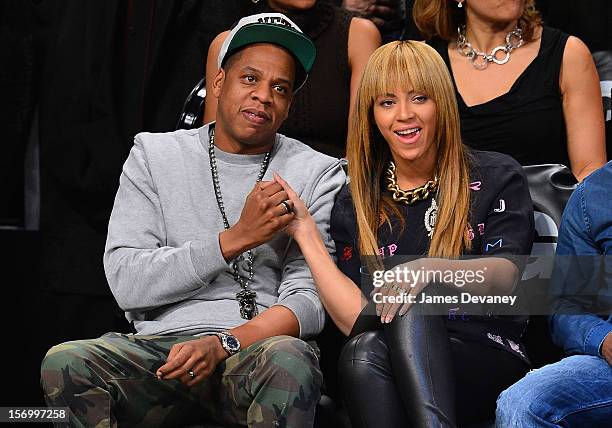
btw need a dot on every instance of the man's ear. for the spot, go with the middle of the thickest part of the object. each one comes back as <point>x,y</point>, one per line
<point>218,83</point>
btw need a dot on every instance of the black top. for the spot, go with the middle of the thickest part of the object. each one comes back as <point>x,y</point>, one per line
<point>499,228</point>
<point>319,111</point>
<point>526,122</point>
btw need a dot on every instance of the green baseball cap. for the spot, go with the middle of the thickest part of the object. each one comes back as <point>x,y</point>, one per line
<point>273,28</point>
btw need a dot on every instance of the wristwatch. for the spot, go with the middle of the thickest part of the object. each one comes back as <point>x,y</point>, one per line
<point>229,342</point>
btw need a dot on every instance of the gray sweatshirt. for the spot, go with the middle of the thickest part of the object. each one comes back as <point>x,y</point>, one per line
<point>162,258</point>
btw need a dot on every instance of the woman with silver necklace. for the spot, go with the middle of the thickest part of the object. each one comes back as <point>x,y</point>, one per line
<point>417,201</point>
<point>523,89</point>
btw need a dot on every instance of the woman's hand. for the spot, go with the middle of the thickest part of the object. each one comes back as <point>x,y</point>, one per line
<point>403,293</point>
<point>303,224</point>
<point>341,297</point>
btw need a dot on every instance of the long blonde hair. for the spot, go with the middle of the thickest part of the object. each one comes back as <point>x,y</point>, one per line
<point>398,64</point>
<point>442,17</point>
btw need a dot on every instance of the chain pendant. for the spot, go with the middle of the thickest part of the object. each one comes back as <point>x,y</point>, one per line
<point>248,304</point>
<point>246,297</point>
<point>431,215</point>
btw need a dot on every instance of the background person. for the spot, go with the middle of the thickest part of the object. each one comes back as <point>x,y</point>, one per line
<point>538,101</point>
<point>576,391</point>
<point>388,15</point>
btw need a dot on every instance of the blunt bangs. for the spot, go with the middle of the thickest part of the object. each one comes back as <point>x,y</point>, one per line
<point>403,64</point>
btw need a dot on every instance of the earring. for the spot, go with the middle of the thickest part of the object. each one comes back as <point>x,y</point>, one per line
<point>460,4</point>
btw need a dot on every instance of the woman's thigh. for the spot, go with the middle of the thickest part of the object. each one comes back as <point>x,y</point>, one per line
<point>481,373</point>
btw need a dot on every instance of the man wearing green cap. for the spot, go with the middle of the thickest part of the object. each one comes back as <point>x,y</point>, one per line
<point>221,299</point>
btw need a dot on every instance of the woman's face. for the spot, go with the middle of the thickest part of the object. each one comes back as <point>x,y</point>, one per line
<point>498,11</point>
<point>288,5</point>
<point>407,121</point>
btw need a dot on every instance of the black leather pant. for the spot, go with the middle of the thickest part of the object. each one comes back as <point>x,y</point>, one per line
<point>411,373</point>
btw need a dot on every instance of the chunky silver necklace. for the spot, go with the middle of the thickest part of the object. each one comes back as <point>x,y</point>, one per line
<point>246,296</point>
<point>514,40</point>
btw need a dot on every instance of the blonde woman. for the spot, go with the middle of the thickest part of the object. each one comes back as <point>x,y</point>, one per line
<point>405,367</point>
<point>523,89</point>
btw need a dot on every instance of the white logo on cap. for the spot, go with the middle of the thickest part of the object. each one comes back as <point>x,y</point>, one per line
<point>261,18</point>
<point>276,20</point>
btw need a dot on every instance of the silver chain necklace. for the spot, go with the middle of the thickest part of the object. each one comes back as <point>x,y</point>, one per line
<point>514,40</point>
<point>246,296</point>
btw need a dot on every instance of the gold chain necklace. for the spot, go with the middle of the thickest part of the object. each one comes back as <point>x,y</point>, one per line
<point>411,196</point>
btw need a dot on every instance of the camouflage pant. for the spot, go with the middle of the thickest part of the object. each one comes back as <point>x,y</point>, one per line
<point>111,381</point>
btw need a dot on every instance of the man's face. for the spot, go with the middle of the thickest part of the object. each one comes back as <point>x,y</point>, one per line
<point>255,91</point>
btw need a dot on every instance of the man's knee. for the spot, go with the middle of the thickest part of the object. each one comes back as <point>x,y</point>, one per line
<point>292,357</point>
<point>69,360</point>
<point>523,404</point>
